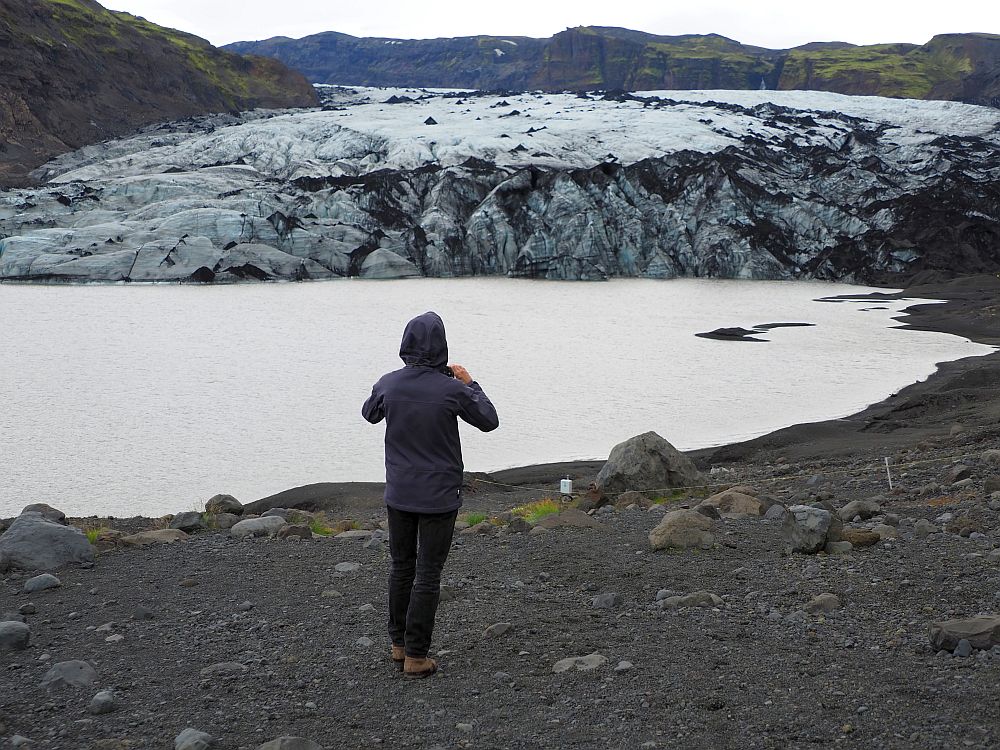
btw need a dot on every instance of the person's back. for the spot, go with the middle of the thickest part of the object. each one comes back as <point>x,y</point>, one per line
<point>421,404</point>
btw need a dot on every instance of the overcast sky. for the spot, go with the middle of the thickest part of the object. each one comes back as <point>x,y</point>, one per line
<point>768,23</point>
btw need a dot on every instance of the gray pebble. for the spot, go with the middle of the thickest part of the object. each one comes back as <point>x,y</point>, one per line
<point>605,601</point>
<point>964,649</point>
<point>192,739</point>
<point>102,703</point>
<point>41,583</point>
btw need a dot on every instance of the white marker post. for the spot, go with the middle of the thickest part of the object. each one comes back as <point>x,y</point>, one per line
<point>887,474</point>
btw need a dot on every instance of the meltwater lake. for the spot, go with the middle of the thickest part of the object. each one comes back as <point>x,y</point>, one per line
<point>144,400</point>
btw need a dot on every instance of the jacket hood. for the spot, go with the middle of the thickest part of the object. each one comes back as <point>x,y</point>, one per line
<point>424,342</point>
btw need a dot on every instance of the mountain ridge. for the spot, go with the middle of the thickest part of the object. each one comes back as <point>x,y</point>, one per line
<point>73,73</point>
<point>961,67</point>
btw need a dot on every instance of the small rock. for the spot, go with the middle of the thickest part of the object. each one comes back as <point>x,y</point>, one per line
<point>498,629</point>
<point>14,636</point>
<point>605,601</point>
<point>624,666</point>
<point>580,663</point>
<point>885,531</point>
<point>964,649</point>
<point>289,531</point>
<point>347,567</point>
<point>776,512</point>
<point>159,536</point>
<point>982,633</point>
<point>991,485</point>
<point>859,537</point>
<point>957,473</point>
<point>188,522</point>
<point>365,642</point>
<point>838,548</point>
<point>102,703</point>
<point>142,613</point>
<point>466,728</point>
<point>192,739</point>
<point>924,528</point>
<point>823,603</point>
<point>76,673</point>
<point>863,508</point>
<point>41,583</point>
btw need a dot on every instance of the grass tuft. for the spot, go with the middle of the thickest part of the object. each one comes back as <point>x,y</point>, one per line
<point>536,511</point>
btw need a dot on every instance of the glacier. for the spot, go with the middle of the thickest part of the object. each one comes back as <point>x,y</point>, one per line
<point>728,184</point>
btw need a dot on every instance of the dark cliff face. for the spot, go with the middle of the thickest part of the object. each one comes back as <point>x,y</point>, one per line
<point>955,66</point>
<point>74,73</point>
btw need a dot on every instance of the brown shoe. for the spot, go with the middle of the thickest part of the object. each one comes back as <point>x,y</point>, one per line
<point>415,667</point>
<point>398,657</point>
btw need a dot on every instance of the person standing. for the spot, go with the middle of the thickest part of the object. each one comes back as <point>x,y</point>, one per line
<point>421,404</point>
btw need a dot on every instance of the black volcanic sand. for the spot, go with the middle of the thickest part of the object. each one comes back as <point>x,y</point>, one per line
<point>756,672</point>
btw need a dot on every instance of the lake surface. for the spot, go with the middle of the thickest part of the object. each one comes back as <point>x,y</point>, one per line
<point>143,400</point>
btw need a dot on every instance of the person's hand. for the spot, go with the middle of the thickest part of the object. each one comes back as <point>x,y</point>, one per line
<point>461,373</point>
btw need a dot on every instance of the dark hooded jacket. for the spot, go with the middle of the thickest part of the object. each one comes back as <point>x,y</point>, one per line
<point>421,406</point>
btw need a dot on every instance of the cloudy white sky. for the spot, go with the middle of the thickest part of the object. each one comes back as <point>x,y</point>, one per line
<point>768,23</point>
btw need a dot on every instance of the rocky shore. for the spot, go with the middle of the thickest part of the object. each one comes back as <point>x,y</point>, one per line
<point>783,596</point>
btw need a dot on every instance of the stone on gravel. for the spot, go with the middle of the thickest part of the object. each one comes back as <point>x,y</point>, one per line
<point>696,599</point>
<point>364,642</point>
<point>822,603</point>
<point>42,582</point>
<point>957,473</point>
<point>991,485</point>
<point>885,531</point>
<point>498,629</point>
<point>580,663</point>
<point>983,633</point>
<point>805,528</point>
<point>102,703</point>
<point>624,666</point>
<point>863,508</point>
<point>288,531</point>
<point>282,513</point>
<point>923,528</point>
<point>682,529</point>
<point>964,649</point>
<point>14,636</point>
<point>646,462</point>
<point>188,522</point>
<point>76,673</point>
<point>776,512</point>
<point>991,457</point>
<point>732,504</point>
<point>290,743</point>
<point>518,525</point>
<point>347,567</point>
<point>605,601</point>
<point>252,527</point>
<point>355,534</point>
<point>33,542</point>
<point>47,511</point>
<point>192,739</point>
<point>219,504</point>
<point>571,517</point>
<point>158,536</point>
<point>859,537</point>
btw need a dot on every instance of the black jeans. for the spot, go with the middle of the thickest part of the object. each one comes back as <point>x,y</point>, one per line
<point>419,544</point>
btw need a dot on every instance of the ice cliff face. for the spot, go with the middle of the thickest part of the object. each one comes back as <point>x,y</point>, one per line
<point>720,184</point>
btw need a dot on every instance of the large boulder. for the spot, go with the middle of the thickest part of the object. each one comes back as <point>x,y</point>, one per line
<point>189,522</point>
<point>53,514</point>
<point>981,632</point>
<point>257,527</point>
<point>733,504</point>
<point>646,462</point>
<point>33,542</point>
<point>224,504</point>
<point>807,529</point>
<point>682,529</point>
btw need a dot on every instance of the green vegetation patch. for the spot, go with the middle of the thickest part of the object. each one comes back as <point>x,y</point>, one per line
<point>536,511</point>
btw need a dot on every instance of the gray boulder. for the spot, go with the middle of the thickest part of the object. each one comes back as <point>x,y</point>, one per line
<point>76,674</point>
<point>53,514</point>
<point>41,583</point>
<point>102,703</point>
<point>14,636</point>
<point>33,542</point>
<point>188,522</point>
<point>192,739</point>
<point>863,508</point>
<point>982,633</point>
<point>224,504</point>
<point>682,529</point>
<point>646,462</point>
<point>257,527</point>
<point>805,528</point>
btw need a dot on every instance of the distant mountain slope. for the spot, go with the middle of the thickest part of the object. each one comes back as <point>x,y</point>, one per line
<point>953,66</point>
<point>73,73</point>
